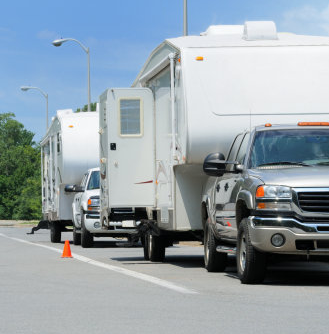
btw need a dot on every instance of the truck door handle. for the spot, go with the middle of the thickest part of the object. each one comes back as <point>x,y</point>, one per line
<point>226,186</point>
<point>218,187</point>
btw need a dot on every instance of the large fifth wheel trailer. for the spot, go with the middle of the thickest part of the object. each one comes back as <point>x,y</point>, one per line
<point>191,98</point>
<point>69,148</point>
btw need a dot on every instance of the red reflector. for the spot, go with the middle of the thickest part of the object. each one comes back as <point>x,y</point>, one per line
<point>228,224</point>
<point>313,123</point>
<point>268,125</point>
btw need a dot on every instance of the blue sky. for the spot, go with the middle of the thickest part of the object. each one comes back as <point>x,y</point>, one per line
<point>120,35</point>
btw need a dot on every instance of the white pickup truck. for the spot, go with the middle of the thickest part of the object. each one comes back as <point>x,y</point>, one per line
<point>85,208</point>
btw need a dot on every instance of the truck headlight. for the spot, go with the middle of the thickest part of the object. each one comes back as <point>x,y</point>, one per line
<point>273,192</point>
<point>273,198</point>
<point>93,203</point>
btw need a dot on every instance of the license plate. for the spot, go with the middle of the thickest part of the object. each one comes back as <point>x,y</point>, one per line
<point>128,223</point>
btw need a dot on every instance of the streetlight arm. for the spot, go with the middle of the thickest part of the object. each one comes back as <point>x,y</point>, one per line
<point>59,42</point>
<point>25,88</point>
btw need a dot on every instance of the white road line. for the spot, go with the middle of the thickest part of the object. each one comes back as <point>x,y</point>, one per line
<point>123,271</point>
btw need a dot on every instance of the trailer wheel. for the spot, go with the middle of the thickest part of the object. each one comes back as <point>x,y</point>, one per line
<point>55,232</point>
<point>87,239</point>
<point>76,237</point>
<point>156,248</point>
<point>251,264</point>
<point>213,261</point>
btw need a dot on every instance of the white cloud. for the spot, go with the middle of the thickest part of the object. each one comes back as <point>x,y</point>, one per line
<point>48,35</point>
<point>307,20</point>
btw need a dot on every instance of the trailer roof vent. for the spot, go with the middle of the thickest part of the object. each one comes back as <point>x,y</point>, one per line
<point>259,30</point>
<point>223,30</point>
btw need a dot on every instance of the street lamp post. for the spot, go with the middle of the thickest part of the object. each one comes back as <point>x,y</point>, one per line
<point>185,18</point>
<point>26,88</point>
<point>59,42</point>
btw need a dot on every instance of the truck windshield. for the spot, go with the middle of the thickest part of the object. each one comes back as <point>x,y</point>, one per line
<point>93,181</point>
<point>289,147</point>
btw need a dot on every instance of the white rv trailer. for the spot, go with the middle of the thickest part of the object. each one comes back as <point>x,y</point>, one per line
<point>191,98</point>
<point>69,148</point>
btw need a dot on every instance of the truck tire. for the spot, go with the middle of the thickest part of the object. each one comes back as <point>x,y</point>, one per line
<point>145,247</point>
<point>55,232</point>
<point>251,264</point>
<point>76,237</point>
<point>156,248</point>
<point>213,261</point>
<point>87,239</point>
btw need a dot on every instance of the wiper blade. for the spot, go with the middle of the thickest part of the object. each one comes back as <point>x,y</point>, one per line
<point>288,163</point>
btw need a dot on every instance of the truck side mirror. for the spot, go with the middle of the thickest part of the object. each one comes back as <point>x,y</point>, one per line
<point>69,188</point>
<point>214,164</point>
<point>74,189</point>
<point>79,189</point>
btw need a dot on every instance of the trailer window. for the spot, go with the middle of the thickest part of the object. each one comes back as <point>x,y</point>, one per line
<point>130,117</point>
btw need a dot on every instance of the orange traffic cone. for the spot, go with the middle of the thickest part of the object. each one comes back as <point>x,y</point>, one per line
<point>67,249</point>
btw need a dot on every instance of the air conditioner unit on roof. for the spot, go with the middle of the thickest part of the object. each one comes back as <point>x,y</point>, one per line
<point>259,30</point>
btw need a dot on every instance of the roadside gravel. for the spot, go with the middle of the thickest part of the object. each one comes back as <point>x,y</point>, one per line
<point>17,223</point>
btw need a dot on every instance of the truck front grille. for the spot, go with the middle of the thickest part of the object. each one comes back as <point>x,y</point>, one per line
<point>314,201</point>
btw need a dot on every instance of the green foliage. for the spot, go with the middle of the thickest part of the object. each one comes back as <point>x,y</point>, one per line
<point>85,108</point>
<point>20,188</point>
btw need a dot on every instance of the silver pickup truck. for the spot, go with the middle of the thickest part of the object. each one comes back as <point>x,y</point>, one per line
<point>271,195</point>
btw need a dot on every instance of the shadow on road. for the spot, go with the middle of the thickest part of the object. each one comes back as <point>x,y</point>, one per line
<point>294,273</point>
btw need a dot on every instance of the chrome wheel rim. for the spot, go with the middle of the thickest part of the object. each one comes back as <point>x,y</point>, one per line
<point>243,252</point>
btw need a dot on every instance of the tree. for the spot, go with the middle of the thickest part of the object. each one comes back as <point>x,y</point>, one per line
<point>93,107</point>
<point>19,171</point>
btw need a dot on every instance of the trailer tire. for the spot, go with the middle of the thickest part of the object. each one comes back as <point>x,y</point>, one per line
<point>55,232</point>
<point>87,239</point>
<point>145,247</point>
<point>156,248</point>
<point>76,237</point>
<point>213,261</point>
<point>251,264</point>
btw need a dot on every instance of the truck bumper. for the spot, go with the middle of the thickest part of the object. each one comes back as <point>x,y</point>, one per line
<point>299,237</point>
<point>93,225</point>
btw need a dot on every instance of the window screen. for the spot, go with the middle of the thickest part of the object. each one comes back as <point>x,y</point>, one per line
<point>130,117</point>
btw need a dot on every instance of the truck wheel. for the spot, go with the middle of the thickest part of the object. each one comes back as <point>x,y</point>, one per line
<point>87,239</point>
<point>213,261</point>
<point>55,232</point>
<point>251,264</point>
<point>76,237</point>
<point>145,244</point>
<point>156,248</point>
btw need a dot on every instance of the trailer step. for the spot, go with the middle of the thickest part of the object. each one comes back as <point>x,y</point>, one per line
<point>225,249</point>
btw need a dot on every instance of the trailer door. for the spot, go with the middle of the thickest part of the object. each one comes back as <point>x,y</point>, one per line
<point>131,151</point>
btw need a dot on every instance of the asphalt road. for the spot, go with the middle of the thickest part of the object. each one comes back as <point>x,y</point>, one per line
<point>111,289</point>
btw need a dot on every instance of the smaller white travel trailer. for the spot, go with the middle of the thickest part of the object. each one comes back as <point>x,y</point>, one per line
<point>191,98</point>
<point>69,148</point>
